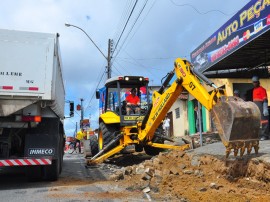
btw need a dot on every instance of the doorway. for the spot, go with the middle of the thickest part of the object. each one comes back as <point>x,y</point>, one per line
<point>170,116</point>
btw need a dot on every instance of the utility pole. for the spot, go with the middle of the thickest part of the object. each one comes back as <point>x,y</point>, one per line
<point>109,68</point>
<point>81,125</point>
<point>75,130</point>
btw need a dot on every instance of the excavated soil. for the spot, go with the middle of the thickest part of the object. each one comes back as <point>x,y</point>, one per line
<point>180,176</point>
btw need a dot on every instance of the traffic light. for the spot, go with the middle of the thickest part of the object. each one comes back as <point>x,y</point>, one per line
<point>71,108</point>
<point>71,114</point>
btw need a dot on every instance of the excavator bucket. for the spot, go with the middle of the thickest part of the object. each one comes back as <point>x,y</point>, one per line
<point>238,124</point>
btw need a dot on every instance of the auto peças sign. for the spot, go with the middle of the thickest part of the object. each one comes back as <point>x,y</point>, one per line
<point>250,22</point>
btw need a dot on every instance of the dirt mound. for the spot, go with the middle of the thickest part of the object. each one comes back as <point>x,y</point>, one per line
<point>180,176</point>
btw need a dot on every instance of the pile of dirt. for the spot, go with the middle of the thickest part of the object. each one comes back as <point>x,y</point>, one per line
<point>180,176</point>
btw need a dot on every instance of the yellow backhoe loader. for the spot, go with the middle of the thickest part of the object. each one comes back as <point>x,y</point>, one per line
<point>237,121</point>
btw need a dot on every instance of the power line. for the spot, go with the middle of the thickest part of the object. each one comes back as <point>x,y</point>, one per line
<point>122,19</point>
<point>199,12</point>
<point>128,61</point>
<point>158,58</point>
<point>141,65</point>
<point>95,91</point>
<point>125,26</point>
<point>141,22</point>
<point>125,69</point>
<point>132,27</point>
<point>99,77</point>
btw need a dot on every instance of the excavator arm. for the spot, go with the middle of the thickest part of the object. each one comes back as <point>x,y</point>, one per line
<point>237,122</point>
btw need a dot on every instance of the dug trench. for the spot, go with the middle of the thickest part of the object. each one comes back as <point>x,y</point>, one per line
<point>183,176</point>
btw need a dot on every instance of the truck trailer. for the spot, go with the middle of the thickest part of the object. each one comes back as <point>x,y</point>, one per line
<point>32,100</point>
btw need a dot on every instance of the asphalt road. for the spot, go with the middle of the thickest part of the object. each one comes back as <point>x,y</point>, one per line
<point>76,183</point>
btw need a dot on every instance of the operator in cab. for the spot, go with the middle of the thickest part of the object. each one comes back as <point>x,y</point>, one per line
<point>133,102</point>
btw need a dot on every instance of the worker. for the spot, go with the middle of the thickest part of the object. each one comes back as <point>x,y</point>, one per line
<point>96,132</point>
<point>80,135</point>
<point>196,116</point>
<point>133,102</point>
<point>166,126</point>
<point>259,97</point>
<point>236,93</point>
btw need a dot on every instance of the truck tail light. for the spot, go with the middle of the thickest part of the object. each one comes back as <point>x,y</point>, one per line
<point>31,118</point>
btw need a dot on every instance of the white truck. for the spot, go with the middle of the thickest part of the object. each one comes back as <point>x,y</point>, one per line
<point>32,100</point>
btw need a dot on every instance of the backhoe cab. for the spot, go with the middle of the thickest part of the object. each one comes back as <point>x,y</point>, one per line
<point>237,122</point>
<point>113,103</point>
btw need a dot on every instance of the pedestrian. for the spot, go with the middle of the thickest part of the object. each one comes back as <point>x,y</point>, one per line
<point>166,126</point>
<point>259,97</point>
<point>236,93</point>
<point>96,133</point>
<point>80,135</point>
<point>197,122</point>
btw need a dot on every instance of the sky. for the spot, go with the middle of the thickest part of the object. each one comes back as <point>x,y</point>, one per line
<point>157,32</point>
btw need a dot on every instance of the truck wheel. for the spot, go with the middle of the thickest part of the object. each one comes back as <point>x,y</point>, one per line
<point>106,134</point>
<point>51,172</point>
<point>93,144</point>
<point>61,153</point>
<point>33,173</point>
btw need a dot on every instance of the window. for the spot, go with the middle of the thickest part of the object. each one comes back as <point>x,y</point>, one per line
<point>177,113</point>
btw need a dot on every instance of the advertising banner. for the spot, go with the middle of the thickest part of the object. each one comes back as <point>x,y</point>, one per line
<point>102,98</point>
<point>247,24</point>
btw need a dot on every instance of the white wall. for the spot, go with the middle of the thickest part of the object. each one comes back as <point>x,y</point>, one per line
<point>180,125</point>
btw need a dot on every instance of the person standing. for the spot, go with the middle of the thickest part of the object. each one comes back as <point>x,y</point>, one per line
<point>166,126</point>
<point>80,135</point>
<point>259,97</point>
<point>197,122</point>
<point>236,93</point>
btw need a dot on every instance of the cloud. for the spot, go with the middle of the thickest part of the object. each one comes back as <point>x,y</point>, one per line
<point>167,31</point>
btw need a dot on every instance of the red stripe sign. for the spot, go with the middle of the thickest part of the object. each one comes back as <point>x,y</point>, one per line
<point>25,162</point>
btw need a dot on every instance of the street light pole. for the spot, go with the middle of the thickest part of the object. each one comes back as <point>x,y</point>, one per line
<point>109,49</point>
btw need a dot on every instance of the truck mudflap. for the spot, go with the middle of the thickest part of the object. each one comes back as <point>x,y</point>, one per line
<point>26,162</point>
<point>238,124</point>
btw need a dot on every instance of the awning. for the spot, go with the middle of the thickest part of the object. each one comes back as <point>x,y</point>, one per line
<point>241,47</point>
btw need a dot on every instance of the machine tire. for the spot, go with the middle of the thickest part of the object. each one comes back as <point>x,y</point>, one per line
<point>138,148</point>
<point>93,145</point>
<point>107,132</point>
<point>153,151</point>
<point>33,173</point>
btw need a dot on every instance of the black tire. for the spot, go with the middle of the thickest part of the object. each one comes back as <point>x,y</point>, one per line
<point>93,144</point>
<point>52,172</point>
<point>153,151</point>
<point>138,148</point>
<point>34,173</point>
<point>61,153</point>
<point>107,132</point>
